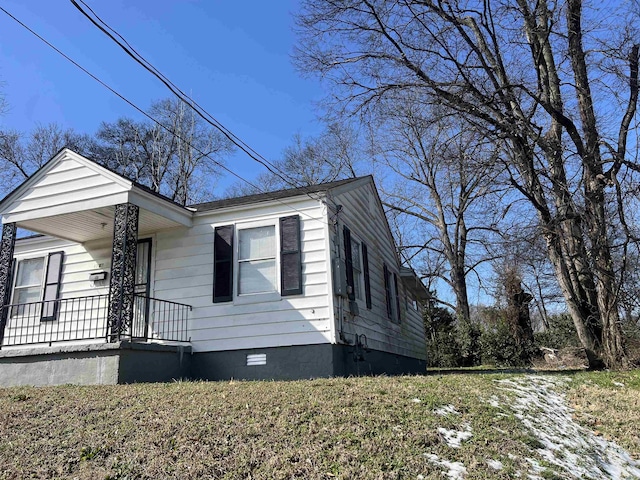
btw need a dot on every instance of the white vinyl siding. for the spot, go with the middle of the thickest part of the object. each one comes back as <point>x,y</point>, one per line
<point>407,336</point>
<point>184,273</point>
<point>78,264</point>
<point>67,187</point>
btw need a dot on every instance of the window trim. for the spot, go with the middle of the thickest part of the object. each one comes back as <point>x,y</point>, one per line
<point>217,296</point>
<point>18,260</point>
<point>246,298</point>
<point>44,284</point>
<point>357,273</point>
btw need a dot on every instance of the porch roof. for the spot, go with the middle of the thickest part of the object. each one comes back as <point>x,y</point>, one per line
<point>74,198</point>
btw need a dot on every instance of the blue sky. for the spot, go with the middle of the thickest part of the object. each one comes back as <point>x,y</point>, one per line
<point>233,58</point>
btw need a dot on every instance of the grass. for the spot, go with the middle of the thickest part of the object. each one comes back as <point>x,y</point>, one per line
<point>609,404</point>
<point>379,427</point>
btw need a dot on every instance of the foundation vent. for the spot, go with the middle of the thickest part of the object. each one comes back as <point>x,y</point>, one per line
<point>256,359</point>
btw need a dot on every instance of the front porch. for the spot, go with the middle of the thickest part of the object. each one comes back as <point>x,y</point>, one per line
<point>94,290</point>
<point>105,363</point>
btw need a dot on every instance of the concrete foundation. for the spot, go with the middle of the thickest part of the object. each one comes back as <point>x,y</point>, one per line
<point>105,364</point>
<point>127,362</point>
<point>299,362</point>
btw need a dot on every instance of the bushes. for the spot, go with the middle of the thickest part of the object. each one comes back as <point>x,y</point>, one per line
<point>501,348</point>
<point>442,346</point>
<point>561,333</point>
<point>489,340</point>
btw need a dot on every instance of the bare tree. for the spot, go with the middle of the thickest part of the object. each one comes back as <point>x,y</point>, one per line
<point>442,174</point>
<point>334,154</point>
<point>179,159</point>
<point>558,93</point>
<point>22,154</point>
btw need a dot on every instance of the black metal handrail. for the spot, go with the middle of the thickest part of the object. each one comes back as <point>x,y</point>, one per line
<point>156,319</point>
<point>80,318</point>
<point>85,318</point>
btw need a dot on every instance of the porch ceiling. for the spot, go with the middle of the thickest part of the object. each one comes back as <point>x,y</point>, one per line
<point>87,225</point>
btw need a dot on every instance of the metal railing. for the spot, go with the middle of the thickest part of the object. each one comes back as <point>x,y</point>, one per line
<point>155,319</point>
<point>81,318</point>
<point>85,318</point>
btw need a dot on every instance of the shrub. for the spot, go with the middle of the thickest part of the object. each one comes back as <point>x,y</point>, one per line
<point>501,348</point>
<point>442,346</point>
<point>469,341</point>
<point>560,334</point>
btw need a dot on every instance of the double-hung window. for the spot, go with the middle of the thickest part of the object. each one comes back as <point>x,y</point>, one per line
<point>36,280</point>
<point>357,269</point>
<point>28,285</point>
<point>257,260</point>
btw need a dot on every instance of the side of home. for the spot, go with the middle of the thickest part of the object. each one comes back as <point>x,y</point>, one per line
<point>292,284</point>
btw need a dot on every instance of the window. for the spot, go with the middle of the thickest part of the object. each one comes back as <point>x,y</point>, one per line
<point>392,294</point>
<point>33,284</point>
<point>259,265</point>
<point>28,285</point>
<point>367,280</point>
<point>357,269</point>
<point>257,260</point>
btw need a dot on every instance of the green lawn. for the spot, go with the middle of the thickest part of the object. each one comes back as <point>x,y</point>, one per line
<point>381,427</point>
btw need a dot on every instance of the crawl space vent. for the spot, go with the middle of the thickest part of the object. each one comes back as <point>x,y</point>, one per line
<point>256,359</point>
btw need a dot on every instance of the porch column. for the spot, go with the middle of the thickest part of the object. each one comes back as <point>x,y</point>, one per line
<point>7,245</point>
<point>123,269</point>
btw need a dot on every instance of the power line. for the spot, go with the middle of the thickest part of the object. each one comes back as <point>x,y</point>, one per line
<point>104,27</point>
<point>143,112</point>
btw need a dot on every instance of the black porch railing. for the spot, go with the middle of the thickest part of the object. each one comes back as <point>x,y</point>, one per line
<point>155,319</point>
<point>85,318</point>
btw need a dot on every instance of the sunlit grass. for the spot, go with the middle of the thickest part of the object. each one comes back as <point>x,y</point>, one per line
<point>381,427</point>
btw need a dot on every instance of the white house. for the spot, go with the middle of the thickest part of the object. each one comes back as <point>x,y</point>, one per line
<point>123,285</point>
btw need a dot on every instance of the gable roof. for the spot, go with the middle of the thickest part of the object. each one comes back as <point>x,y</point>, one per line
<point>48,165</point>
<point>84,194</point>
<point>275,195</point>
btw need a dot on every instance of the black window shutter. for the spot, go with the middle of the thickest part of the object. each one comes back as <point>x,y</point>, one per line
<point>223,264</point>
<point>395,287</point>
<point>387,289</point>
<point>348,259</point>
<point>365,271</point>
<point>290,256</point>
<point>52,287</point>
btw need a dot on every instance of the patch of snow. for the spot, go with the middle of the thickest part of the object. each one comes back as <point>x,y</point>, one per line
<point>454,438</point>
<point>416,400</point>
<point>618,384</point>
<point>446,410</point>
<point>456,470</point>
<point>573,448</point>
<point>494,401</point>
<point>495,464</point>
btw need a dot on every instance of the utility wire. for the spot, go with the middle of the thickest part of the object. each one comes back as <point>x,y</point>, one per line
<point>160,124</point>
<point>104,27</point>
